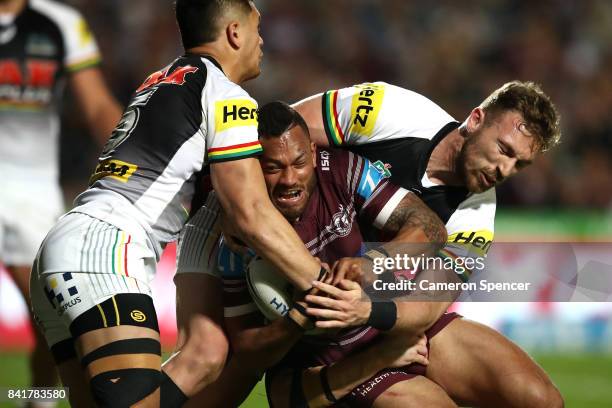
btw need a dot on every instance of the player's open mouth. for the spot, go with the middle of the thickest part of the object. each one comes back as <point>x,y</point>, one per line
<point>487,181</point>
<point>290,197</point>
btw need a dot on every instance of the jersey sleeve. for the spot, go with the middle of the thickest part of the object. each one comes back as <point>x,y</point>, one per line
<point>374,196</point>
<point>232,124</point>
<point>471,227</point>
<point>81,50</point>
<point>237,300</point>
<point>373,112</point>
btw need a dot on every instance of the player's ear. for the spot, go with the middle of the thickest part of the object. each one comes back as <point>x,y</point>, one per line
<point>476,119</point>
<point>313,151</point>
<point>233,32</point>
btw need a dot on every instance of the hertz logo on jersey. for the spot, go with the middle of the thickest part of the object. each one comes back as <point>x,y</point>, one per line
<point>117,169</point>
<point>234,113</point>
<point>365,108</point>
<point>477,241</point>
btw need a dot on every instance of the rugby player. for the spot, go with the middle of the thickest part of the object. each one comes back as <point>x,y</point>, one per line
<point>90,281</point>
<point>42,45</point>
<point>453,167</point>
<point>326,195</point>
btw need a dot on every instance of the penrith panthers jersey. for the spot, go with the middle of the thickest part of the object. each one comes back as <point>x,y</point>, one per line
<point>38,47</point>
<point>181,119</point>
<point>400,129</point>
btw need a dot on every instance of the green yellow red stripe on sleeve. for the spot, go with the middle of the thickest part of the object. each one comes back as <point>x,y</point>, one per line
<point>330,119</point>
<point>86,63</point>
<point>239,151</point>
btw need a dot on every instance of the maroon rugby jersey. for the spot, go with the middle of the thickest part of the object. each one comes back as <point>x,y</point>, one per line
<point>350,190</point>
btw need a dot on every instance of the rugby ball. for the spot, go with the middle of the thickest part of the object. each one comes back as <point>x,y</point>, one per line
<point>271,292</point>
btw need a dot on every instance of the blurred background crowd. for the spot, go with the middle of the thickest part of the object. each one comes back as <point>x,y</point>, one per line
<point>455,53</point>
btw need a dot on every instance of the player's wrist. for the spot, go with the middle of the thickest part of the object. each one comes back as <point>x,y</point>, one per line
<point>298,316</point>
<point>383,315</point>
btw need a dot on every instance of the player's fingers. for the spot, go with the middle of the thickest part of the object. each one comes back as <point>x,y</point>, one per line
<point>420,359</point>
<point>330,324</point>
<point>326,314</point>
<point>329,289</point>
<point>323,301</point>
<point>339,274</point>
<point>348,284</point>
<point>421,350</point>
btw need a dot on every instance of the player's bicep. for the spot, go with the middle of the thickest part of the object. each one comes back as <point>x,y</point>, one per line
<point>239,184</point>
<point>310,109</point>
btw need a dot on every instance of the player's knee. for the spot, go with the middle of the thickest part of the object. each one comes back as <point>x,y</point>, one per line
<point>205,350</point>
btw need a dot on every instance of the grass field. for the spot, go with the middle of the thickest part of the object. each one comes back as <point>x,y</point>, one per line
<point>584,380</point>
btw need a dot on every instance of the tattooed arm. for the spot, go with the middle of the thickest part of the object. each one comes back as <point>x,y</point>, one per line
<point>412,222</point>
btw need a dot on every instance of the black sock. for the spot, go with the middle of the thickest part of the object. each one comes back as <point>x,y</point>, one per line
<point>171,395</point>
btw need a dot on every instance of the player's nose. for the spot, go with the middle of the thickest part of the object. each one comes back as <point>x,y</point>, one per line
<point>506,169</point>
<point>288,177</point>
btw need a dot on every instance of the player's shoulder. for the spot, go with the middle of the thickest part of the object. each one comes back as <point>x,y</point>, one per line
<point>341,168</point>
<point>477,200</point>
<point>61,14</point>
<point>474,216</point>
<point>334,162</point>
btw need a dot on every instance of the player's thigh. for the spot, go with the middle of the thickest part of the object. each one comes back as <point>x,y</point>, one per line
<point>417,392</point>
<point>116,337</point>
<point>477,365</point>
<point>197,294</point>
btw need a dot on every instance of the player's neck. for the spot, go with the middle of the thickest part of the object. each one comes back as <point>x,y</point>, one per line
<point>229,62</point>
<point>11,6</point>
<point>442,165</point>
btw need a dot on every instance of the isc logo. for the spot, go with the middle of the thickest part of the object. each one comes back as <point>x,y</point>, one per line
<point>234,113</point>
<point>365,108</point>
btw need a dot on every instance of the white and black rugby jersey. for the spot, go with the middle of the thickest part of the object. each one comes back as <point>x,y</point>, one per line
<point>179,120</point>
<point>398,129</point>
<point>38,47</point>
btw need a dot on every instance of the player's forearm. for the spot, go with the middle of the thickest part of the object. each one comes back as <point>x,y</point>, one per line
<point>271,236</point>
<point>415,229</point>
<point>105,118</point>
<point>422,307</point>
<point>262,347</point>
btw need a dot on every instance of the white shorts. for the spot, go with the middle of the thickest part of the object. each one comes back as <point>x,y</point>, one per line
<point>82,262</point>
<point>199,240</point>
<point>27,212</point>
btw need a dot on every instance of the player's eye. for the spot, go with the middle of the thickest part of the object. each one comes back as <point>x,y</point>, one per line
<point>271,169</point>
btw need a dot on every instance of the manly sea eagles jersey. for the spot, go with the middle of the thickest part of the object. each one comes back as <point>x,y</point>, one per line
<point>180,120</point>
<point>399,129</point>
<point>349,189</point>
<point>38,47</point>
